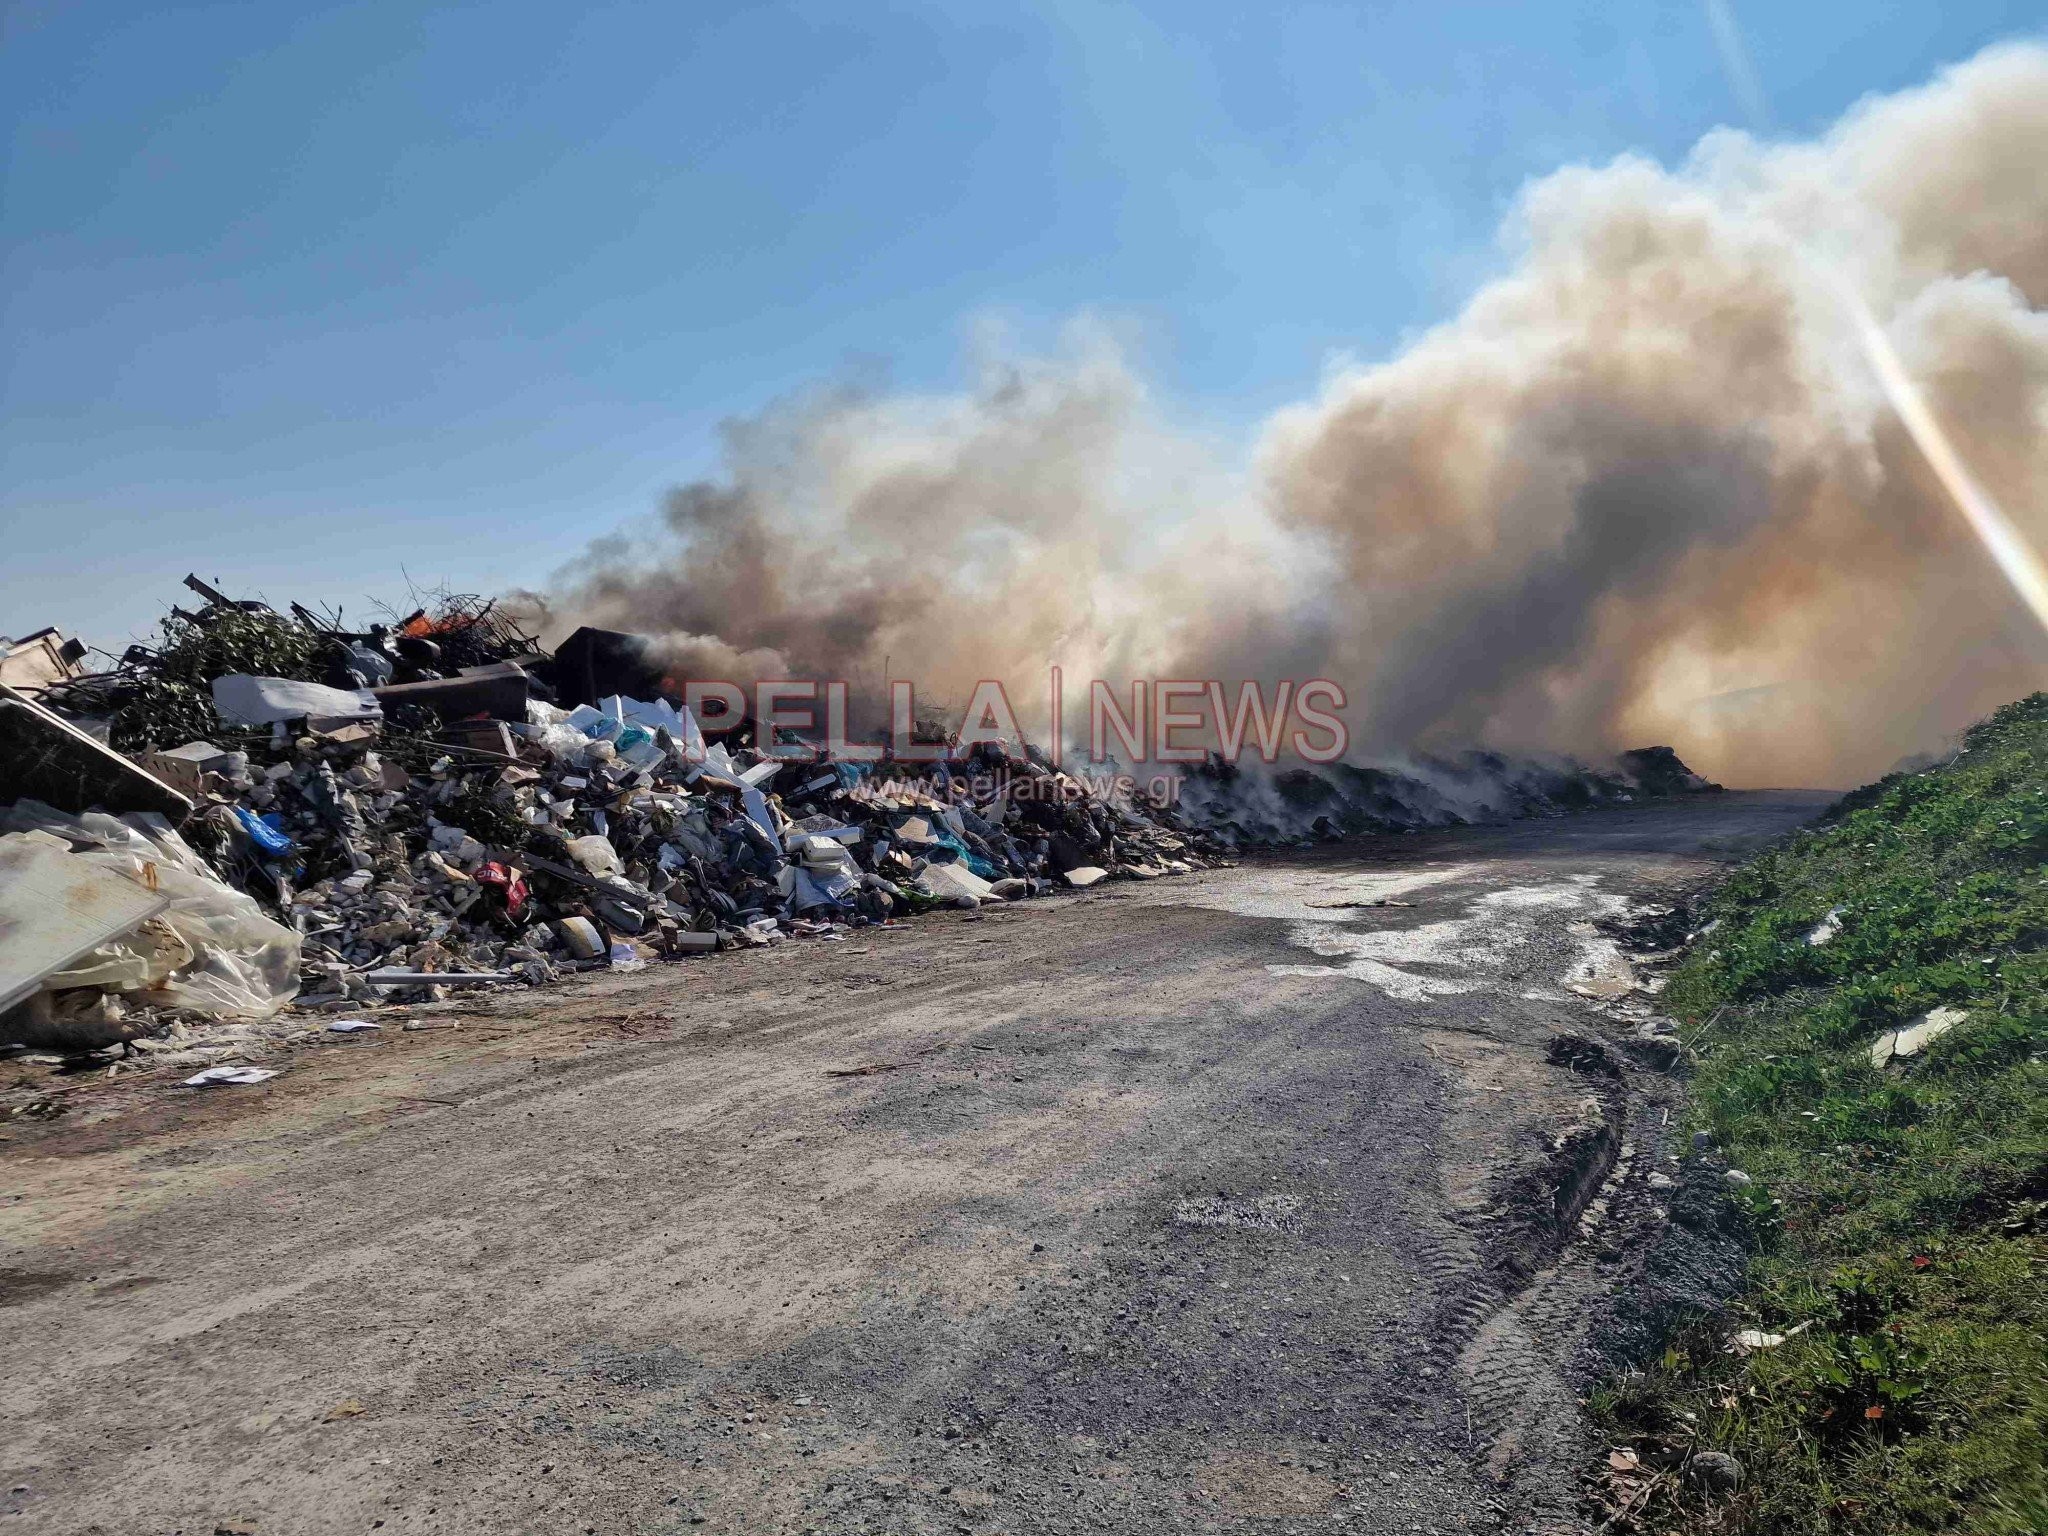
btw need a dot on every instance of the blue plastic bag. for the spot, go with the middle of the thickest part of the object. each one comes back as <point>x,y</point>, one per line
<point>266,832</point>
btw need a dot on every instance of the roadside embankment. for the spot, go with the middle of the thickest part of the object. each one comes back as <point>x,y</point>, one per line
<point>1866,1006</point>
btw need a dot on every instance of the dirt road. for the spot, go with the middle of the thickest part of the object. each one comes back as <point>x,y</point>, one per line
<point>1205,1204</point>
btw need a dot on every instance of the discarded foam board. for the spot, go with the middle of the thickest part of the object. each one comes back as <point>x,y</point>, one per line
<point>949,882</point>
<point>185,768</point>
<point>1087,875</point>
<point>1894,1044</point>
<point>56,908</point>
<point>758,811</point>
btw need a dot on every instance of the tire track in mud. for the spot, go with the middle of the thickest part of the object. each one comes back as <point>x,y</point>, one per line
<point>1536,1284</point>
<point>1541,1282</point>
<point>1524,1279</point>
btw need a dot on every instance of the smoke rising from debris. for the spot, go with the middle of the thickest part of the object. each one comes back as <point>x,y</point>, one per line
<point>1643,488</point>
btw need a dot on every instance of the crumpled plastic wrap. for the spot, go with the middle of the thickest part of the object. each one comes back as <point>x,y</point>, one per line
<point>211,952</point>
<point>137,961</point>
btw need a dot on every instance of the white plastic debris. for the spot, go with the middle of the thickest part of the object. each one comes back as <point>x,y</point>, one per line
<point>351,1026</point>
<point>1749,1339</point>
<point>956,883</point>
<point>247,700</point>
<point>824,853</point>
<point>1825,930</point>
<point>214,1077</point>
<point>1915,1037</point>
<point>56,910</point>
<point>242,964</point>
<point>680,724</point>
<point>596,855</point>
<point>758,811</point>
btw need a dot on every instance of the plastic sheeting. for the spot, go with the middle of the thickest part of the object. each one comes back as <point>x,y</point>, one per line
<point>242,965</point>
<point>56,914</point>
<point>250,700</point>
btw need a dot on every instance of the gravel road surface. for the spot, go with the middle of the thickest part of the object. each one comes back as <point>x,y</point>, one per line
<point>1233,1202</point>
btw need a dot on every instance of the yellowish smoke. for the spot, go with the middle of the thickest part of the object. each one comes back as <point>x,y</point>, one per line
<point>1642,488</point>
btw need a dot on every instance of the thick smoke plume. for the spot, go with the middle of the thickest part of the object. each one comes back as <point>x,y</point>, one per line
<point>1643,488</point>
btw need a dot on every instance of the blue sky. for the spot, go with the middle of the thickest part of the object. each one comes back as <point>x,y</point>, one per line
<point>301,296</point>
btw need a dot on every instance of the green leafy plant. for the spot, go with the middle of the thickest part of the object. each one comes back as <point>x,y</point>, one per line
<point>172,702</point>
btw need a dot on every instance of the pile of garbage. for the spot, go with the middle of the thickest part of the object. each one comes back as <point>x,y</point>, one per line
<point>272,809</point>
<point>612,833</point>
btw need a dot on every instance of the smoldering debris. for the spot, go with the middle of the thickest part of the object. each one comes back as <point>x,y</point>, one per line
<point>1262,805</point>
<point>289,816</point>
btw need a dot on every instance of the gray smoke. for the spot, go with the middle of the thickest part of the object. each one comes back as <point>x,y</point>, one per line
<point>1643,488</point>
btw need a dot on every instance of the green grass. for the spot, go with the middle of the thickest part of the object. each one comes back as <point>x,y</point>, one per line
<point>1899,1210</point>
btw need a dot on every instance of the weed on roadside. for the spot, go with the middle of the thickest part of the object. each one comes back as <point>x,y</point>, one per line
<point>1887,1368</point>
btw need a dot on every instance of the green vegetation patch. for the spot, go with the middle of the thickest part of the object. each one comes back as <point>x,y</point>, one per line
<point>171,702</point>
<point>1896,1372</point>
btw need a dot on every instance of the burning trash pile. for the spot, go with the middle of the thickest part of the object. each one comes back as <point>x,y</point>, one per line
<point>270,809</point>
